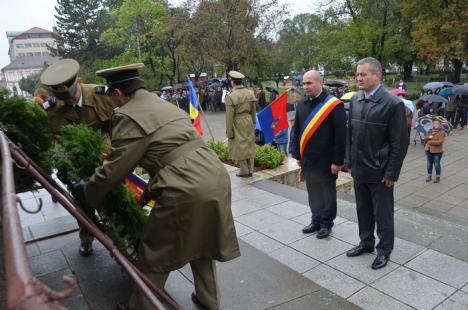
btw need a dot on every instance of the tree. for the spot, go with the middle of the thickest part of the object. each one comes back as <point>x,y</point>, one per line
<point>79,25</point>
<point>139,29</point>
<point>439,31</point>
<point>231,29</point>
<point>30,83</point>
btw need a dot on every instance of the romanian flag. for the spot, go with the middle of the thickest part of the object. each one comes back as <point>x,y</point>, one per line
<point>273,117</point>
<point>194,107</point>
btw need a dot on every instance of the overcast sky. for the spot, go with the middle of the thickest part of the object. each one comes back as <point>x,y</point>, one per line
<point>25,14</point>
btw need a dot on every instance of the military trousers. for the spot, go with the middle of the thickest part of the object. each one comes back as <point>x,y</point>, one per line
<point>246,166</point>
<point>374,203</point>
<point>205,280</point>
<point>322,199</point>
<point>85,236</point>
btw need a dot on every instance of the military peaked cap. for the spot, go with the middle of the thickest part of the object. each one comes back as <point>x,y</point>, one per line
<point>120,74</point>
<point>61,77</point>
<point>236,75</point>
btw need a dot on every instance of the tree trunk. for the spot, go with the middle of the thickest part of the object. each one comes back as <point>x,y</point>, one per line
<point>457,66</point>
<point>407,70</point>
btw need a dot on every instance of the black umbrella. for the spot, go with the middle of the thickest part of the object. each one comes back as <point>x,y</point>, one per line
<point>332,83</point>
<point>434,98</point>
<point>461,90</point>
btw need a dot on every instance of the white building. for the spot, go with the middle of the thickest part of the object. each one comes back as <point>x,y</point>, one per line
<point>32,42</point>
<point>29,53</point>
<point>22,67</point>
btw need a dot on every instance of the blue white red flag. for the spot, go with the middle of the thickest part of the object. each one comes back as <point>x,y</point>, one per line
<point>194,108</point>
<point>273,117</point>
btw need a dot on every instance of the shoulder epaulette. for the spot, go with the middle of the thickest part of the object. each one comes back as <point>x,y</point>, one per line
<point>100,90</point>
<point>49,104</point>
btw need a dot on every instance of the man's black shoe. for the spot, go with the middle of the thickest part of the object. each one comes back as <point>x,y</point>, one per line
<point>198,302</point>
<point>86,248</point>
<point>244,175</point>
<point>380,261</point>
<point>323,233</point>
<point>359,250</point>
<point>311,228</point>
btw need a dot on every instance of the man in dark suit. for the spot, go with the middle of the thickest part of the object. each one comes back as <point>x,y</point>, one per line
<point>323,155</point>
<point>377,144</point>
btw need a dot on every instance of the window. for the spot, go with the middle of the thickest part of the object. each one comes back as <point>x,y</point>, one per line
<point>27,45</point>
<point>30,54</point>
<point>43,44</point>
<point>21,54</point>
<point>20,45</point>
<point>45,53</point>
<point>36,45</point>
<point>37,53</point>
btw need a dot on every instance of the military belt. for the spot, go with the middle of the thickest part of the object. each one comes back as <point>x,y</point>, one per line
<point>179,151</point>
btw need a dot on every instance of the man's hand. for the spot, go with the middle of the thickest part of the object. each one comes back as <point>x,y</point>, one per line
<point>301,176</point>
<point>298,163</point>
<point>335,169</point>
<point>62,175</point>
<point>388,183</point>
<point>78,192</point>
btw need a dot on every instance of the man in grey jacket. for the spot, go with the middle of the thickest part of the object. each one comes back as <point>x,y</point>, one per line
<point>376,146</point>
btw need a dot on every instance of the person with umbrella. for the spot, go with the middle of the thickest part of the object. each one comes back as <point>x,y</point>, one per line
<point>461,93</point>
<point>434,149</point>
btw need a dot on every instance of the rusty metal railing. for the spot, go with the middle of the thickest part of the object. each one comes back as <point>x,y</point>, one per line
<point>23,290</point>
<point>151,291</point>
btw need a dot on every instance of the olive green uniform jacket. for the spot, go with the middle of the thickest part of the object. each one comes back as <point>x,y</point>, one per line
<point>192,218</point>
<point>95,112</point>
<point>240,123</point>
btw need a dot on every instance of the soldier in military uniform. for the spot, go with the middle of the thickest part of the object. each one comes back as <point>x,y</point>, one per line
<point>76,103</point>
<point>192,222</point>
<point>240,124</point>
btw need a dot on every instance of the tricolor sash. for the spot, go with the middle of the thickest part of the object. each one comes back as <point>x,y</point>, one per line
<point>315,119</point>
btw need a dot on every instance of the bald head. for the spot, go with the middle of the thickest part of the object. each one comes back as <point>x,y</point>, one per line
<point>313,74</point>
<point>312,83</point>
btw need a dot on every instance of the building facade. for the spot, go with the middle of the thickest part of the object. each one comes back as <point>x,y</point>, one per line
<point>29,54</point>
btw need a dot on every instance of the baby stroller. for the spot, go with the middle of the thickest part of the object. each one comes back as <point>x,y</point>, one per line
<point>424,124</point>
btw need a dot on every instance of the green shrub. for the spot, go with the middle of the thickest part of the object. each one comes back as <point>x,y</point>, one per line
<point>78,152</point>
<point>220,149</point>
<point>26,124</point>
<point>267,157</point>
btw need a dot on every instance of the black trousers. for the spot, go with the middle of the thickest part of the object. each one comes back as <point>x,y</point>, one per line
<point>322,199</point>
<point>374,203</point>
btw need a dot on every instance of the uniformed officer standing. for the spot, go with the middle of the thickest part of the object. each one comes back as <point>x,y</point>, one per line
<point>240,124</point>
<point>192,222</point>
<point>77,103</point>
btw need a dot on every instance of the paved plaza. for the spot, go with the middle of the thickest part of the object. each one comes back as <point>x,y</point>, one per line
<point>280,267</point>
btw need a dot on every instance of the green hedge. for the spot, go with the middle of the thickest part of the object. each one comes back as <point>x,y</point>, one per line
<point>266,156</point>
<point>79,151</point>
<point>26,124</point>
